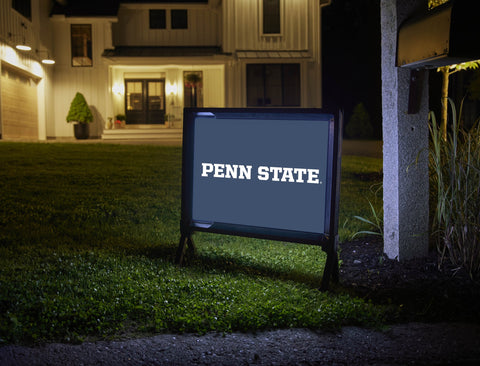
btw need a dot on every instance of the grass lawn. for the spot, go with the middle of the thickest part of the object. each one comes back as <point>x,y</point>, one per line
<point>88,234</point>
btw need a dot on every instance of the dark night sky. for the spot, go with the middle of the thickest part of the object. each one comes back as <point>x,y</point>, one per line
<point>351,58</point>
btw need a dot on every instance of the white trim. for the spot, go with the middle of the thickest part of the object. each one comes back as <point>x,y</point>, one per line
<point>41,110</point>
<point>153,6</point>
<point>162,61</point>
<point>282,21</point>
<point>83,20</point>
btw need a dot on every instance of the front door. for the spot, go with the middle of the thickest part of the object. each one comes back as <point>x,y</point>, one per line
<point>145,101</point>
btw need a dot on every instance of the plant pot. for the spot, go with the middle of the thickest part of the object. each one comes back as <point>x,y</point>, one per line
<point>81,131</point>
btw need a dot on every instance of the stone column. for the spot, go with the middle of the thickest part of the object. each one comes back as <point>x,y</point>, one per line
<point>405,145</point>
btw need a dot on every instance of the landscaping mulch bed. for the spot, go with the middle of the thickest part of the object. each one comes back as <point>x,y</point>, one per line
<point>425,292</point>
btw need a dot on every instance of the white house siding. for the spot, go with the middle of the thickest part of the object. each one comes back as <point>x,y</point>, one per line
<point>242,26</point>
<point>133,28</point>
<point>300,35</point>
<point>91,81</point>
<point>214,87</point>
<point>35,32</point>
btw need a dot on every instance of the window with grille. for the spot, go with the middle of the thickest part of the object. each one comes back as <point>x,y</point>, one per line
<point>273,85</point>
<point>271,16</point>
<point>81,43</point>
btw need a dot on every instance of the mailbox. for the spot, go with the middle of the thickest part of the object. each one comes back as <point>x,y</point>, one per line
<point>446,35</point>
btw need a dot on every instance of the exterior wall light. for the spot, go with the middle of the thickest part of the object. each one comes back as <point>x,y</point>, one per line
<point>23,47</point>
<point>19,45</point>
<point>172,89</point>
<point>47,60</point>
<point>118,89</point>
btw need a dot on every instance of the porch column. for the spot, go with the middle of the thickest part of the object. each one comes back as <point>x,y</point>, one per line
<point>405,137</point>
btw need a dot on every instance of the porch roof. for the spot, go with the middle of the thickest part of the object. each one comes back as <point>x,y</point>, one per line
<point>281,54</point>
<point>161,51</point>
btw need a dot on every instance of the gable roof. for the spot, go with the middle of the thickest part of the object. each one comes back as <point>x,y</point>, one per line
<point>85,8</point>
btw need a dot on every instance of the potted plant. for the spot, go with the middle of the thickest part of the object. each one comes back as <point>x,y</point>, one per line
<point>80,115</point>
<point>120,120</point>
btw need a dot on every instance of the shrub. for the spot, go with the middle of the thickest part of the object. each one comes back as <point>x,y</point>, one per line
<point>79,110</point>
<point>455,180</point>
<point>359,125</point>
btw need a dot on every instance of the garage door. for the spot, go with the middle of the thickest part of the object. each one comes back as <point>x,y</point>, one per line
<point>19,119</point>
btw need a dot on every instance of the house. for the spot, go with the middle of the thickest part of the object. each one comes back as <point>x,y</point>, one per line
<point>147,60</point>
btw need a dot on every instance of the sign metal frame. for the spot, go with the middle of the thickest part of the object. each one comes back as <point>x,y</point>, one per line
<point>328,240</point>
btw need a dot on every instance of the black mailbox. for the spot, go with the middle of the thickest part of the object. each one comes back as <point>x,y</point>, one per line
<point>446,35</point>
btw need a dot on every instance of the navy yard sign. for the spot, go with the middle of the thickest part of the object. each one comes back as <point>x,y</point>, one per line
<point>262,173</point>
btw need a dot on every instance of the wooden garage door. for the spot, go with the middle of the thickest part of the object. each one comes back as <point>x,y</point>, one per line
<point>19,105</point>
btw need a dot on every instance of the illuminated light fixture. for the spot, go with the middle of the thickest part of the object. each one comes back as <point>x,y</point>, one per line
<point>46,60</point>
<point>23,47</point>
<point>118,89</point>
<point>172,89</point>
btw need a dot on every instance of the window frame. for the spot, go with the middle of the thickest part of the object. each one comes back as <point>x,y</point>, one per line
<point>153,14</point>
<point>264,87</point>
<point>261,18</point>
<point>181,26</point>
<point>89,46</point>
<point>145,114</point>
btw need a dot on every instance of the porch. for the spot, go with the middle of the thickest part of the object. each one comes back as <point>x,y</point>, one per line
<point>144,133</point>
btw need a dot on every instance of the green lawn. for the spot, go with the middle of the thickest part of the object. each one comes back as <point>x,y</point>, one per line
<point>88,234</point>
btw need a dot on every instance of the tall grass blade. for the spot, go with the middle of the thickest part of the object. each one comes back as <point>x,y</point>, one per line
<point>455,182</point>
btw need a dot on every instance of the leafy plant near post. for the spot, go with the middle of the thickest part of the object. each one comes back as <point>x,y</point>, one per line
<point>446,72</point>
<point>79,110</point>
<point>375,219</point>
<point>434,3</point>
<point>455,164</point>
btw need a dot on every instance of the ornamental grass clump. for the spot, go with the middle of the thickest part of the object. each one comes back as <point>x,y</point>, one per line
<point>455,181</point>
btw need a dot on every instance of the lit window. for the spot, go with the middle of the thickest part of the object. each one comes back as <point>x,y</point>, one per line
<point>81,44</point>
